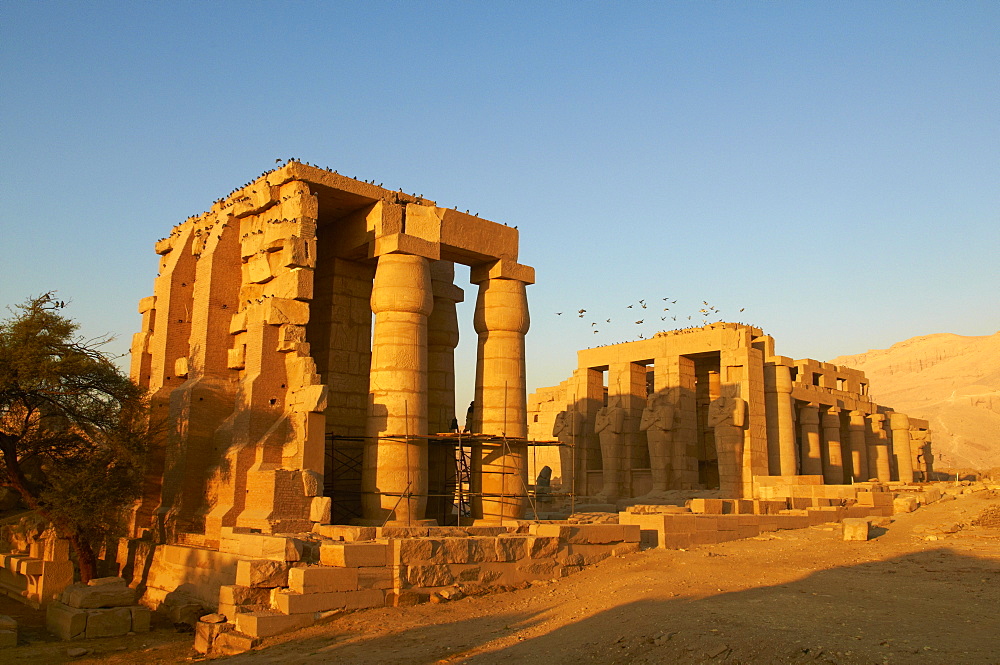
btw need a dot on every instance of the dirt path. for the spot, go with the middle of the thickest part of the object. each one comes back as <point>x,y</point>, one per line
<point>791,597</point>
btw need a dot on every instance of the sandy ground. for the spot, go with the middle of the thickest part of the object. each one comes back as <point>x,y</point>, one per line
<point>791,597</point>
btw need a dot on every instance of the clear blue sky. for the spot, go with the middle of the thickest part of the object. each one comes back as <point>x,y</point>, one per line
<point>831,167</point>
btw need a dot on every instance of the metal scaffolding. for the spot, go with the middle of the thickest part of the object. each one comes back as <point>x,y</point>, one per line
<point>345,458</point>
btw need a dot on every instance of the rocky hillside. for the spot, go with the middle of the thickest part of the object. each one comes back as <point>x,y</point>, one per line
<point>952,381</point>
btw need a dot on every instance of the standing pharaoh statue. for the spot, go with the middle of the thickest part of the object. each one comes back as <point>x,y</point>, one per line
<point>658,423</point>
<point>610,428</point>
<point>568,428</point>
<point>727,415</point>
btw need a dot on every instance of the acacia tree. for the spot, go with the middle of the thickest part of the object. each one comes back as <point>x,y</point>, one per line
<point>66,408</point>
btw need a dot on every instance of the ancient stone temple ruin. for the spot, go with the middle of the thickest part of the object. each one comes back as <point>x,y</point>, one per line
<point>309,316</point>
<point>299,348</point>
<point>714,407</point>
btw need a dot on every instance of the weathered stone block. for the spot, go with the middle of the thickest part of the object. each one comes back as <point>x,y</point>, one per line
<point>345,533</point>
<point>482,549</point>
<point>84,596</point>
<point>904,504</point>
<point>455,550</point>
<point>877,499</point>
<point>319,509</point>
<point>365,598</point>
<point>8,638</point>
<point>108,622</point>
<point>321,579</point>
<point>238,595</point>
<point>291,602</point>
<point>707,506</point>
<point>275,548</point>
<point>603,533</point>
<point>262,574</point>
<point>140,618</point>
<point>623,549</point>
<point>511,548</point>
<point>707,523</point>
<point>375,578</point>
<point>538,569</point>
<point>675,541</point>
<point>268,623</point>
<point>559,531</point>
<point>429,576</point>
<point>205,635</point>
<point>543,547</point>
<point>353,555</point>
<point>484,530</point>
<point>30,566</point>
<point>856,528</point>
<point>65,622</point>
<point>407,550</point>
<point>231,643</point>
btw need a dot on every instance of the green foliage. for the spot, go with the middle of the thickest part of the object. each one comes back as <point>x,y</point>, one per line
<point>63,403</point>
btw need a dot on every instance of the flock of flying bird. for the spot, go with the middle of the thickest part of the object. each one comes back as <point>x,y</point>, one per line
<point>705,312</point>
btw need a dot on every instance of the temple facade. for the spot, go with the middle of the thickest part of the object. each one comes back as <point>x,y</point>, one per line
<point>714,407</point>
<point>308,316</point>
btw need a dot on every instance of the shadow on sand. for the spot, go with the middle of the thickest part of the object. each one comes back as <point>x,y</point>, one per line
<point>935,606</point>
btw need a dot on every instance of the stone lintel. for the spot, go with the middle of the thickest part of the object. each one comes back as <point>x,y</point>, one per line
<point>502,269</point>
<point>402,243</point>
<point>448,291</point>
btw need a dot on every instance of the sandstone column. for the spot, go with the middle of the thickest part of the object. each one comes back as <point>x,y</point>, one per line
<point>812,464</point>
<point>878,448</point>
<point>501,321</point>
<point>780,421</point>
<point>442,338</point>
<point>833,471</point>
<point>859,447</point>
<point>394,479</point>
<point>900,425</point>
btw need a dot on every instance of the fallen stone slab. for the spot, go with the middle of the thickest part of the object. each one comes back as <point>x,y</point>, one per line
<point>857,528</point>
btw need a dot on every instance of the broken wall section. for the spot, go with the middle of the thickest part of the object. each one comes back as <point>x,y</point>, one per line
<point>224,355</point>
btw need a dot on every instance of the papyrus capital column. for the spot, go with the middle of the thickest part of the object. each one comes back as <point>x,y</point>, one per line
<point>442,338</point>
<point>501,321</point>
<point>394,477</point>
<point>833,470</point>
<point>899,423</point>
<point>878,448</point>
<point>859,447</point>
<point>812,463</point>
<point>780,419</point>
